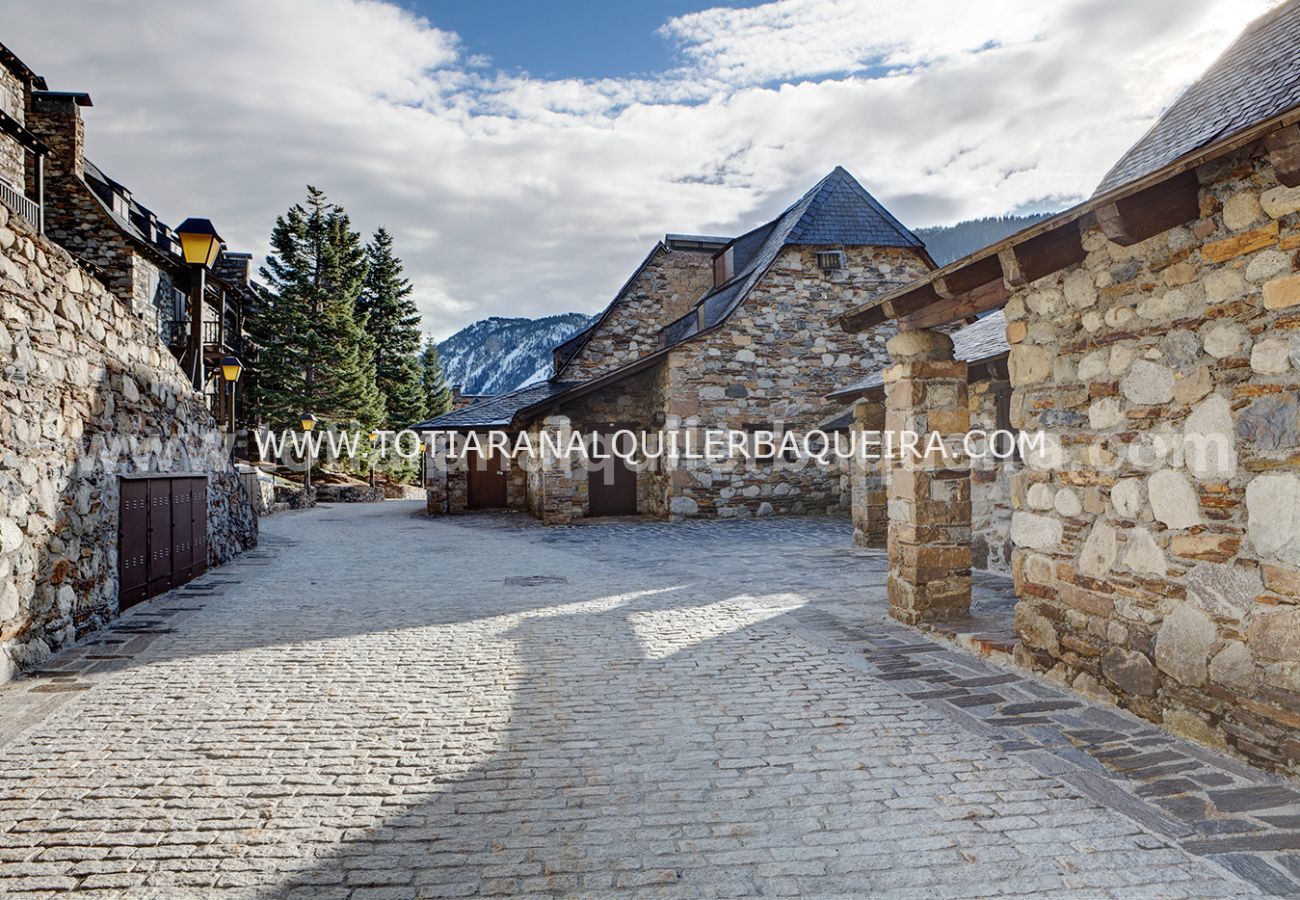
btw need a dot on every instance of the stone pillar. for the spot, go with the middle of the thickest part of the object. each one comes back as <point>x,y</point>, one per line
<point>561,499</point>
<point>929,492</point>
<point>435,476</point>
<point>867,477</point>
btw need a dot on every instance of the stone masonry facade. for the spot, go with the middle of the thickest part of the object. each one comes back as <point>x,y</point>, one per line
<point>772,364</point>
<point>664,288</point>
<point>13,101</point>
<point>87,395</point>
<point>1157,538</point>
<point>76,219</point>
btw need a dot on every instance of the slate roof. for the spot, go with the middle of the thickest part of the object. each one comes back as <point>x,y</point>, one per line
<point>494,412</point>
<point>1258,77</point>
<point>563,353</point>
<point>977,342</point>
<point>136,223</point>
<point>837,211</point>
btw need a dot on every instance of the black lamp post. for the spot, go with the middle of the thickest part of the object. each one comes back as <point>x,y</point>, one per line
<point>308,423</point>
<point>231,368</point>
<point>374,439</point>
<point>200,245</point>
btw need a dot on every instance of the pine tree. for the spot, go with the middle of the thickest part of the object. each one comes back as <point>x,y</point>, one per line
<point>390,318</point>
<point>314,356</point>
<point>437,394</point>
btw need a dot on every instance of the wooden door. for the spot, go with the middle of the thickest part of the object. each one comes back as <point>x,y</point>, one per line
<point>611,485</point>
<point>133,543</point>
<point>160,535</point>
<point>199,529</point>
<point>182,531</point>
<point>487,480</point>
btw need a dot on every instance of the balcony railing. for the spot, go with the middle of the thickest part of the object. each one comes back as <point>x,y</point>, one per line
<point>176,332</point>
<point>20,203</point>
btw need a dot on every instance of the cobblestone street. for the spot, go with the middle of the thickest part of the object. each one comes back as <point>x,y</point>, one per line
<point>377,704</point>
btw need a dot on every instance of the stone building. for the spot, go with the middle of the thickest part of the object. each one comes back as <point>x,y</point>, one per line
<point>99,421</point>
<point>1155,342</point>
<point>22,153</point>
<point>982,346</point>
<point>112,234</point>
<point>707,333</point>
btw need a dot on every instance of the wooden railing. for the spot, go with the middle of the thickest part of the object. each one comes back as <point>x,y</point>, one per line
<point>20,203</point>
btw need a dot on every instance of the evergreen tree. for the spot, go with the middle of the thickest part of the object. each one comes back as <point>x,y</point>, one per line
<point>390,318</point>
<point>314,356</point>
<point>437,393</point>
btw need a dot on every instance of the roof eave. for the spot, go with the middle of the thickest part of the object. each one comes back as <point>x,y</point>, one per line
<point>983,280</point>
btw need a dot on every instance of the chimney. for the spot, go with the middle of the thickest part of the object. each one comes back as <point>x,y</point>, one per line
<point>56,120</point>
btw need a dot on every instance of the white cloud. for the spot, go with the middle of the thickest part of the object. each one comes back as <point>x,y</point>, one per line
<point>511,195</point>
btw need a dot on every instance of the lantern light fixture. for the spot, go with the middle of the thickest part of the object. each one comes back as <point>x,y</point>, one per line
<point>200,243</point>
<point>231,368</point>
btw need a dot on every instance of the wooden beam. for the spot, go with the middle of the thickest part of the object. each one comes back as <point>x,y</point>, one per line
<point>973,274</point>
<point>1012,277</point>
<point>1151,211</point>
<point>1283,148</point>
<point>987,296</point>
<point>1049,252</point>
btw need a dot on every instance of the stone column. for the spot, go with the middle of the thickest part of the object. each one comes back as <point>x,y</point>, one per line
<point>867,477</point>
<point>435,476</point>
<point>929,492</point>
<point>561,500</point>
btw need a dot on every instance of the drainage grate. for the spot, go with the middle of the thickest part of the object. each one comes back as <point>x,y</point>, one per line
<point>535,580</point>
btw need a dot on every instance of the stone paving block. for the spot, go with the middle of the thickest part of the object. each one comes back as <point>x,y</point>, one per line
<point>724,723</point>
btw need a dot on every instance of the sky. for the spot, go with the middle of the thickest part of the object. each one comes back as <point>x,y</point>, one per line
<point>526,155</point>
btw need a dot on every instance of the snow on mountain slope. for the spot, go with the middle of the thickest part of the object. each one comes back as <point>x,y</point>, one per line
<point>496,355</point>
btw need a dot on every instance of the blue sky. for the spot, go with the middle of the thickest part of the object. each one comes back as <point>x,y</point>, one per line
<point>566,38</point>
<point>526,155</point>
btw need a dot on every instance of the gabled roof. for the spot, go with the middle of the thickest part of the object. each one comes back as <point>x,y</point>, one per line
<point>493,412</point>
<point>982,340</point>
<point>11,62</point>
<point>838,211</point>
<point>565,352</point>
<point>1256,78</point>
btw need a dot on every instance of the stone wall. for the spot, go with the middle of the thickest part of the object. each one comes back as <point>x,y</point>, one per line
<point>773,363</point>
<point>87,394</point>
<point>664,290</point>
<point>13,100</point>
<point>631,404</point>
<point>990,490</point>
<point>447,488</point>
<point>1153,570</point>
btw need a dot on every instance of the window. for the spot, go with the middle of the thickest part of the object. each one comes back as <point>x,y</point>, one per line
<point>1002,400</point>
<point>121,206</point>
<point>770,448</point>
<point>723,267</point>
<point>830,260</point>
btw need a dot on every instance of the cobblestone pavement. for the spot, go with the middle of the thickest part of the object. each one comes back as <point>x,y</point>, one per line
<point>375,704</point>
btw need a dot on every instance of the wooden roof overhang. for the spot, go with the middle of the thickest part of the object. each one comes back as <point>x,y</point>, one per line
<point>26,139</point>
<point>1155,203</point>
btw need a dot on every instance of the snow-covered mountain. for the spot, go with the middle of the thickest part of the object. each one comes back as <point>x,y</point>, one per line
<point>496,355</point>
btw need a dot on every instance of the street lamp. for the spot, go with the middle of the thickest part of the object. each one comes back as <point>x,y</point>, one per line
<point>231,368</point>
<point>200,245</point>
<point>374,439</point>
<point>308,423</point>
